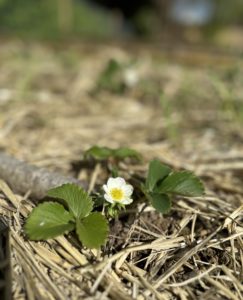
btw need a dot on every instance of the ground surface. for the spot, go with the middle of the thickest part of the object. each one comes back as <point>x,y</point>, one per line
<point>185,108</point>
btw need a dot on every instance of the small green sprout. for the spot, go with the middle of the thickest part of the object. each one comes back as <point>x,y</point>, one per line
<point>104,153</point>
<point>111,78</point>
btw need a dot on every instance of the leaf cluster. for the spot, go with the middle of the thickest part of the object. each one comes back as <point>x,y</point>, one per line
<point>162,181</point>
<point>73,211</point>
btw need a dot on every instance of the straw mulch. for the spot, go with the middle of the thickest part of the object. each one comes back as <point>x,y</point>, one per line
<point>50,115</point>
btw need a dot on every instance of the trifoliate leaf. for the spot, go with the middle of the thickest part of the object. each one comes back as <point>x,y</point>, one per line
<point>157,172</point>
<point>48,220</point>
<point>122,153</point>
<point>77,200</point>
<point>182,183</point>
<point>92,230</point>
<point>161,202</point>
<point>99,153</point>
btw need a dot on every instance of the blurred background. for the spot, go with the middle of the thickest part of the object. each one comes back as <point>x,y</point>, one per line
<point>68,66</point>
<point>191,20</point>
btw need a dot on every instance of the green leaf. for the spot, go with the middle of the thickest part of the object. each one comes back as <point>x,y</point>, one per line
<point>112,67</point>
<point>102,153</point>
<point>99,153</point>
<point>114,171</point>
<point>126,152</point>
<point>157,172</point>
<point>48,220</point>
<point>182,183</point>
<point>77,200</point>
<point>111,77</point>
<point>161,202</point>
<point>93,230</point>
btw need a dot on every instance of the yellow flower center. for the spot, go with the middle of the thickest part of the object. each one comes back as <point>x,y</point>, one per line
<point>116,194</point>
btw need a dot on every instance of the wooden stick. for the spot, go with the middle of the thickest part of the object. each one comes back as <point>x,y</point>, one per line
<point>23,178</point>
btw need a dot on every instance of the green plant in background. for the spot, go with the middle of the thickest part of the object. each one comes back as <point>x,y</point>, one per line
<point>26,17</point>
<point>104,153</point>
<point>74,209</point>
<point>117,77</point>
<point>231,107</point>
<point>111,156</point>
<point>61,19</point>
<point>168,110</point>
<point>227,14</point>
<point>110,78</point>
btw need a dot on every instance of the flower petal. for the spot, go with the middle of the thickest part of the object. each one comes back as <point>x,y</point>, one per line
<point>128,190</point>
<point>120,181</point>
<point>115,182</point>
<point>108,198</point>
<point>127,201</point>
<point>111,183</point>
<point>105,188</point>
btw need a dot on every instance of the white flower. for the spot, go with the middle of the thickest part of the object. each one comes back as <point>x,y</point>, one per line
<point>131,77</point>
<point>118,191</point>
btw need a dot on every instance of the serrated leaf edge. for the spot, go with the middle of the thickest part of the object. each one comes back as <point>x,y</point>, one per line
<point>150,201</point>
<point>80,189</point>
<point>37,207</point>
<point>184,172</point>
<point>107,230</point>
<point>151,189</point>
